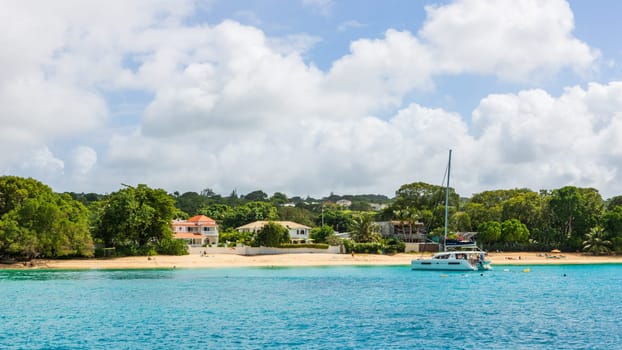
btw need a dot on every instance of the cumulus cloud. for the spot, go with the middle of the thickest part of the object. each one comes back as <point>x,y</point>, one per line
<point>542,141</point>
<point>515,40</point>
<point>83,160</point>
<point>230,107</point>
<point>42,162</point>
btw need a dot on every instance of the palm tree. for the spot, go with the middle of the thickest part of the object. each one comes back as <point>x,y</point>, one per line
<point>406,216</point>
<point>596,242</point>
<point>364,229</point>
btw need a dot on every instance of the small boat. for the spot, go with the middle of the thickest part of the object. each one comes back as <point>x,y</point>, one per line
<point>458,260</point>
<point>456,255</point>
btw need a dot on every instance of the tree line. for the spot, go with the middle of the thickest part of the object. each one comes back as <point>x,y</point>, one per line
<point>136,220</point>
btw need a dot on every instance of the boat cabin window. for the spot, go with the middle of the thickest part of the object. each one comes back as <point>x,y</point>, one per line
<point>460,256</point>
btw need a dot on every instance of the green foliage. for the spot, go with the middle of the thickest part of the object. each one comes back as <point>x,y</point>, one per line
<point>300,215</point>
<point>596,242</point>
<point>612,221</point>
<point>480,214</point>
<point>574,211</point>
<point>134,218</point>
<point>526,206</point>
<point>278,198</point>
<point>191,203</point>
<point>460,221</point>
<point>513,231</point>
<point>234,237</point>
<point>489,232</point>
<point>393,246</point>
<point>34,221</point>
<point>339,220</point>
<point>390,246</point>
<point>363,229</point>
<point>614,202</point>
<point>271,235</point>
<point>420,195</point>
<point>249,212</point>
<point>256,196</point>
<point>171,246</point>
<point>217,212</point>
<point>363,247</point>
<point>321,234</point>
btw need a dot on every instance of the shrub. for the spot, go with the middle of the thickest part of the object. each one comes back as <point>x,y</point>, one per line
<point>170,246</point>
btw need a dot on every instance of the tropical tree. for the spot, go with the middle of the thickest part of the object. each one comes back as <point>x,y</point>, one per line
<point>614,202</point>
<point>135,216</point>
<point>420,195</point>
<point>299,215</point>
<point>278,198</point>
<point>596,242</point>
<point>256,196</point>
<point>526,206</point>
<point>190,202</point>
<point>339,220</point>
<point>34,221</point>
<point>574,211</point>
<point>489,232</point>
<point>272,235</point>
<point>363,229</point>
<point>480,214</point>
<point>322,234</point>
<point>514,231</point>
<point>249,212</point>
<point>461,221</point>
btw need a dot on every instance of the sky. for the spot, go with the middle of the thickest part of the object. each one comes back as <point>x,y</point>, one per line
<point>311,97</point>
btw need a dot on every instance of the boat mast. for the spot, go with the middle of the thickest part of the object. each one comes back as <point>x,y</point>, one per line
<point>447,202</point>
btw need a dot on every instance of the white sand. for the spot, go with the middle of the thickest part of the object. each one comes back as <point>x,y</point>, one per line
<point>231,260</point>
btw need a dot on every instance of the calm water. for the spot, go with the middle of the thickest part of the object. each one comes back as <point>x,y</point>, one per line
<point>570,307</point>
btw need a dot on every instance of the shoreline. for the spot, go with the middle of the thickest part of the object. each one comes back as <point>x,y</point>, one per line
<point>295,260</point>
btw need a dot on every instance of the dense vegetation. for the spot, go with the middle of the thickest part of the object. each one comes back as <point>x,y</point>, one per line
<point>36,222</point>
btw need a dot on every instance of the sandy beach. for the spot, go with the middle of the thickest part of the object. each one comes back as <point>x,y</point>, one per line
<point>231,260</point>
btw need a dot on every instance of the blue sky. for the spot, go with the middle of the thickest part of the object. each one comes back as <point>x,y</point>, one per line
<point>311,97</point>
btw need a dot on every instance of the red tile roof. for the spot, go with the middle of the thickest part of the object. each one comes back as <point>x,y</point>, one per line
<point>202,220</point>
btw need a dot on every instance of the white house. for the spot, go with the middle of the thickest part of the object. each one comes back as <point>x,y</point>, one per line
<point>344,203</point>
<point>196,231</point>
<point>297,233</point>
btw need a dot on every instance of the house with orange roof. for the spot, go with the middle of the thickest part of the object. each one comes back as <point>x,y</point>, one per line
<point>197,231</point>
<point>298,233</point>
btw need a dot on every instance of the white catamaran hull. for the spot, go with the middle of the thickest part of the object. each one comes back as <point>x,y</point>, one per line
<point>453,261</point>
<point>443,265</point>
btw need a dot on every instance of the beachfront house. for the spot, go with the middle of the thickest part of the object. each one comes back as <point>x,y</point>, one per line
<point>403,231</point>
<point>197,231</point>
<point>298,233</point>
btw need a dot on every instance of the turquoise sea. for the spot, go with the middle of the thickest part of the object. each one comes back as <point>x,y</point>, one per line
<point>561,307</point>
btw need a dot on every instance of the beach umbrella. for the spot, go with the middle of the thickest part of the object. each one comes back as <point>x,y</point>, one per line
<point>556,251</point>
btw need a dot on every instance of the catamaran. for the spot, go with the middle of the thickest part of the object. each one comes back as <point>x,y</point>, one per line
<point>456,255</point>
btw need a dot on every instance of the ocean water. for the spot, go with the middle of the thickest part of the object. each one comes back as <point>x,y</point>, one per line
<point>561,307</point>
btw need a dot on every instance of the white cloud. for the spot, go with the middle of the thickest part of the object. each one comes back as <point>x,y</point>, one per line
<point>515,40</point>
<point>234,108</point>
<point>378,73</point>
<point>42,162</point>
<point>323,7</point>
<point>540,141</point>
<point>83,160</point>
